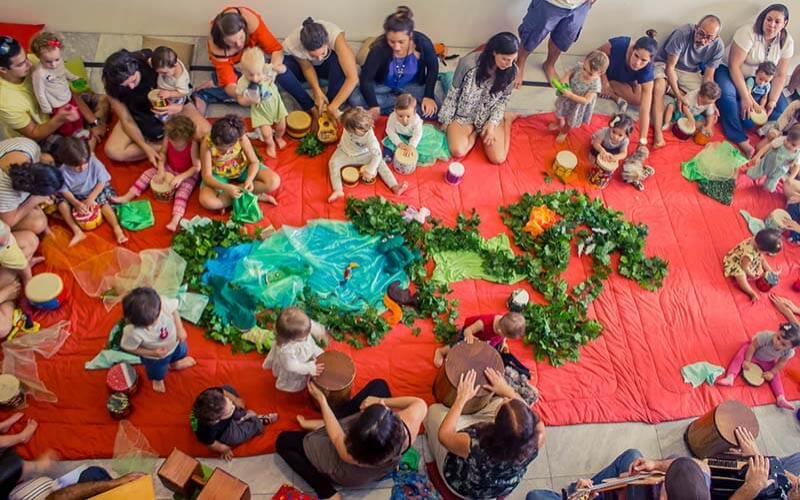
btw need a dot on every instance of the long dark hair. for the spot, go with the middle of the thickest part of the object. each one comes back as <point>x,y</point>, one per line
<point>512,436</point>
<point>227,23</point>
<point>38,179</point>
<point>758,27</point>
<point>401,20</point>
<point>377,434</point>
<point>502,43</point>
<point>118,67</point>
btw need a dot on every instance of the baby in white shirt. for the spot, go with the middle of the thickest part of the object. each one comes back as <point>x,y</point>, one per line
<point>293,358</point>
<point>405,121</point>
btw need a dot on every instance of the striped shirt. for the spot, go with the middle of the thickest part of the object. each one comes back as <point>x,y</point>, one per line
<point>10,199</point>
<point>34,489</point>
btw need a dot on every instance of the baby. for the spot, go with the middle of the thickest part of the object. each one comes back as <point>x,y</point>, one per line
<point>256,87</point>
<point>491,328</point>
<point>174,80</point>
<point>293,358</point>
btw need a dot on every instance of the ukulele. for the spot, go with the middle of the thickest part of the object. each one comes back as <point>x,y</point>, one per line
<point>327,133</point>
<point>644,486</point>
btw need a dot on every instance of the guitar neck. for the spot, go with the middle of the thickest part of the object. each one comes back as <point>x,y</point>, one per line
<point>613,484</point>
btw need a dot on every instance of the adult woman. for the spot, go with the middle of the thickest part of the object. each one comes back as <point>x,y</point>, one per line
<point>362,447</point>
<point>766,40</point>
<point>318,49</point>
<point>25,184</point>
<point>128,78</point>
<point>486,454</point>
<point>476,102</point>
<point>400,60</point>
<point>630,75</point>
<point>233,30</point>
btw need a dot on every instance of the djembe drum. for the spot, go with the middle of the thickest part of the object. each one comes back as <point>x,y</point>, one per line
<point>123,378</point>
<point>298,124</point>
<point>759,117</point>
<point>564,164</point>
<point>753,375</point>
<point>336,380</point>
<point>405,160</point>
<point>701,138</point>
<point>162,188</point>
<point>46,291</point>
<point>119,406</point>
<point>713,433</point>
<point>462,358</point>
<point>682,129</point>
<point>602,172</point>
<point>12,394</point>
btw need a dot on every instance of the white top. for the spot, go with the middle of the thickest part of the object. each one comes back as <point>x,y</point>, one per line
<point>182,83</point>
<point>10,199</point>
<point>695,108</point>
<point>293,363</point>
<point>567,4</point>
<point>51,87</point>
<point>293,47</point>
<point>412,130</point>
<point>758,51</point>
<point>162,333</point>
<point>353,145</point>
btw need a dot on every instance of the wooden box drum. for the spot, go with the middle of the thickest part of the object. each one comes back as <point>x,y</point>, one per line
<point>90,220</point>
<point>405,160</point>
<point>181,473</point>
<point>223,486</point>
<point>753,375</point>
<point>123,378</point>
<point>156,101</point>
<point>713,433</point>
<point>336,380</point>
<point>12,395</point>
<point>602,172</point>
<point>298,124</point>
<point>119,406</point>
<point>464,357</point>
<point>162,191</point>
<point>46,291</point>
<point>564,164</point>
<point>682,129</point>
<point>350,176</point>
<point>701,138</point>
<point>759,117</point>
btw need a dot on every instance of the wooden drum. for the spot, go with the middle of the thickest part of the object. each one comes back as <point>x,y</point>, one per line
<point>405,160</point>
<point>119,406</point>
<point>123,378</point>
<point>90,220</point>
<point>46,291</point>
<point>363,173</point>
<point>162,191</point>
<point>11,393</point>
<point>682,129</point>
<point>298,124</point>
<point>464,357</point>
<point>350,176</point>
<point>602,172</point>
<point>564,164</point>
<point>336,380</point>
<point>713,434</point>
<point>454,174</point>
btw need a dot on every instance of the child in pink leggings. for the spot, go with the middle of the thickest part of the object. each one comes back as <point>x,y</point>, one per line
<point>180,157</point>
<point>771,351</point>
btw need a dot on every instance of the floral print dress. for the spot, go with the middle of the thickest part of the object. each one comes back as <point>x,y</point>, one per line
<point>578,114</point>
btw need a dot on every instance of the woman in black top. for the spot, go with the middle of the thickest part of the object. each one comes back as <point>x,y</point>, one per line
<point>400,60</point>
<point>128,77</point>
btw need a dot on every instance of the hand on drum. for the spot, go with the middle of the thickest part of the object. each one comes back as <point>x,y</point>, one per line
<point>605,156</point>
<point>317,394</point>
<point>83,207</point>
<point>757,477</point>
<point>466,387</point>
<point>176,181</point>
<point>747,443</point>
<point>497,383</point>
<point>319,369</point>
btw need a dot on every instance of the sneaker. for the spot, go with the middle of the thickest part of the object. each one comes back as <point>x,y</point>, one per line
<point>255,135</point>
<point>622,105</point>
<point>638,185</point>
<point>269,418</point>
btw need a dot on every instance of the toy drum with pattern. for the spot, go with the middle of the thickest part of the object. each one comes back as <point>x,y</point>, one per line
<point>298,124</point>
<point>123,378</point>
<point>766,281</point>
<point>464,357</point>
<point>156,101</point>
<point>701,138</point>
<point>350,176</point>
<point>405,160</point>
<point>12,394</point>
<point>759,117</point>
<point>455,172</point>
<point>46,291</point>
<point>683,129</point>
<point>119,406</point>
<point>564,164</point>
<point>602,172</point>
<point>336,380</point>
<point>162,191</point>
<point>90,220</point>
<point>364,177</point>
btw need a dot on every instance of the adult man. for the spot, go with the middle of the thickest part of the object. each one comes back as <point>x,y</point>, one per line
<point>688,58</point>
<point>561,19</point>
<point>19,111</point>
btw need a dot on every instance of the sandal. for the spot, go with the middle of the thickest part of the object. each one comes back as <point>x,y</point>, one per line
<point>269,418</point>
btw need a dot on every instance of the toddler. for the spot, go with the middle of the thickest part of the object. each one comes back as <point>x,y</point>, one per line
<point>760,84</point>
<point>776,160</point>
<point>256,87</point>
<point>491,328</point>
<point>50,81</point>
<point>174,80</point>
<point>86,184</point>
<point>223,421</point>
<point>746,260</point>
<point>697,106</point>
<point>181,158</point>
<point>359,146</point>
<point>634,170</point>
<point>229,166</point>
<point>781,126</point>
<point>404,125</point>
<point>611,143</point>
<point>293,358</point>
<point>575,104</point>
<point>771,351</point>
<point>155,333</point>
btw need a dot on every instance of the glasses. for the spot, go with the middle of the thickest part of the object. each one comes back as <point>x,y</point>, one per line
<point>702,35</point>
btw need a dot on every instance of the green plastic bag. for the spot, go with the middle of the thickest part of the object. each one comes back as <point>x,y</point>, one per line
<point>136,215</point>
<point>246,209</point>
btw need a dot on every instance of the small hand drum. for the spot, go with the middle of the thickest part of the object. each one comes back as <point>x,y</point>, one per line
<point>464,357</point>
<point>350,176</point>
<point>564,164</point>
<point>298,123</point>
<point>336,380</point>
<point>454,174</point>
<point>602,172</point>
<point>753,375</point>
<point>123,378</point>
<point>162,191</point>
<point>365,175</point>
<point>90,220</point>
<point>405,159</point>
<point>11,394</point>
<point>759,117</point>
<point>45,291</point>
<point>156,101</point>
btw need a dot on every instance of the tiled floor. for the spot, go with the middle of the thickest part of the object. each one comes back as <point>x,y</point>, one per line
<point>564,457</point>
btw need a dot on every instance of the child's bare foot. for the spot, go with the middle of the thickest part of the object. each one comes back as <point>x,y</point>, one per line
<point>183,364</point>
<point>173,223</point>
<point>747,149</point>
<point>77,238</point>
<point>280,142</point>
<point>335,196</point>
<point>27,433</point>
<point>553,126</point>
<point>125,198</point>
<point>158,386</point>
<point>267,198</point>
<point>36,260</point>
<point>438,358</point>
<point>120,235</point>
<point>399,189</point>
<point>726,381</point>
<point>560,138</point>
<point>271,151</point>
<point>10,291</point>
<point>6,424</point>
<point>782,402</point>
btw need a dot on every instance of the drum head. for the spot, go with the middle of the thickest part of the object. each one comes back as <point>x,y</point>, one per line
<point>732,414</point>
<point>298,120</point>
<point>406,154</point>
<point>164,185</point>
<point>608,166</point>
<point>339,371</point>
<point>9,387</point>
<point>567,159</point>
<point>350,175</point>
<point>753,375</point>
<point>44,287</point>
<point>476,356</point>
<point>759,117</point>
<point>456,169</point>
<point>685,126</point>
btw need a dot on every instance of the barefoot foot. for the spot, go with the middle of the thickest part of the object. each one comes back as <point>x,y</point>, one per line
<point>158,386</point>
<point>280,142</point>
<point>125,198</point>
<point>267,198</point>
<point>438,358</point>
<point>549,71</point>
<point>782,402</point>
<point>173,223</point>
<point>726,381</point>
<point>271,151</point>
<point>747,149</point>
<point>120,234</point>
<point>77,238</point>
<point>183,364</point>
<point>399,189</point>
<point>335,196</point>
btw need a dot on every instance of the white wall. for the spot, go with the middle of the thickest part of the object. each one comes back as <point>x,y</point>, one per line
<point>455,22</point>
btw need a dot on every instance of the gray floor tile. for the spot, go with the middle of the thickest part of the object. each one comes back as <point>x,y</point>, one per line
<point>83,45</point>
<point>670,437</point>
<point>779,434</point>
<point>540,468</point>
<point>560,482</point>
<point>264,473</point>
<point>530,484</point>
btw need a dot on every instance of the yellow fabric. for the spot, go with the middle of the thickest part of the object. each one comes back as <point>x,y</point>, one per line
<point>11,256</point>
<point>18,106</point>
<point>140,489</point>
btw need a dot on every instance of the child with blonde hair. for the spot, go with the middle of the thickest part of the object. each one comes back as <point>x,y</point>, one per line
<point>256,88</point>
<point>359,146</point>
<point>574,105</point>
<point>293,357</point>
